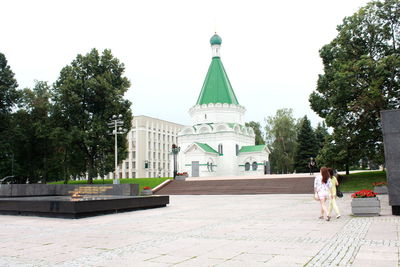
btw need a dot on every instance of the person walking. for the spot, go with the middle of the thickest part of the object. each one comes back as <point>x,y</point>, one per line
<point>332,202</point>
<point>311,165</point>
<point>322,186</point>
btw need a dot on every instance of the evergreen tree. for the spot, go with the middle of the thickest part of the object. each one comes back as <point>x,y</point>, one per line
<point>307,146</point>
<point>321,133</point>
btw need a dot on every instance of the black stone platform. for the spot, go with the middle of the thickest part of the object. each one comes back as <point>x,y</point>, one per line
<point>68,207</point>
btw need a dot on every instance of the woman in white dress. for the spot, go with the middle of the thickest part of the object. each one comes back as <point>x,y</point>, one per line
<point>322,186</point>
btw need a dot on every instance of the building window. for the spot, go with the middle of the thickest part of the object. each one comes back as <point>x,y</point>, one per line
<point>133,164</point>
<point>247,166</point>
<point>154,165</point>
<point>237,149</point>
<point>205,116</point>
<point>149,145</point>
<point>134,154</point>
<point>133,174</point>
<point>220,149</point>
<point>149,155</point>
<point>254,166</point>
<point>126,165</point>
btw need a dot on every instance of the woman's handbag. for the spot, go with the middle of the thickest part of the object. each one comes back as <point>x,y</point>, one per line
<point>338,192</point>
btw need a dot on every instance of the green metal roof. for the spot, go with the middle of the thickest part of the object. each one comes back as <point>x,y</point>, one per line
<point>258,148</point>
<point>217,87</point>
<point>215,39</point>
<point>206,148</point>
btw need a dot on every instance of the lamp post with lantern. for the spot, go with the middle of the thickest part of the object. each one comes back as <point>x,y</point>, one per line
<point>116,124</point>
<point>175,150</point>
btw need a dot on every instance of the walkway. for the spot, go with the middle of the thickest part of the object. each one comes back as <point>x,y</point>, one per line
<point>220,230</point>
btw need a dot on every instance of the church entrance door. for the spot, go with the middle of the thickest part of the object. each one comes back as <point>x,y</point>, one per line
<point>195,169</point>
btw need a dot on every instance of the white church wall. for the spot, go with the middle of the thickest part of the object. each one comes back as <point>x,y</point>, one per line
<point>217,113</point>
<point>251,157</point>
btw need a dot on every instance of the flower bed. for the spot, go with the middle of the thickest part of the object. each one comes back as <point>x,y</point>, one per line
<point>181,176</point>
<point>365,203</point>
<point>146,191</point>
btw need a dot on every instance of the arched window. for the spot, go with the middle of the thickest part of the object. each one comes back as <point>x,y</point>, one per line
<point>237,149</point>
<point>247,166</point>
<point>220,149</point>
<point>254,166</point>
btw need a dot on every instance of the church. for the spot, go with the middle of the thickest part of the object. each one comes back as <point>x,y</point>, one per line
<point>218,143</point>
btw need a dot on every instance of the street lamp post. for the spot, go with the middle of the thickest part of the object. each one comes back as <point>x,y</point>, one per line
<point>175,151</point>
<point>116,123</point>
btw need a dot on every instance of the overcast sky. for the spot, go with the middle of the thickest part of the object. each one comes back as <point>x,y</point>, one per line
<point>269,48</point>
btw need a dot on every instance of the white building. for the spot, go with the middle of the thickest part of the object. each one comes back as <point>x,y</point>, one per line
<point>149,146</point>
<point>218,143</point>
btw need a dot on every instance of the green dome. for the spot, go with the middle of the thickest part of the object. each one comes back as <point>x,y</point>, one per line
<point>215,40</point>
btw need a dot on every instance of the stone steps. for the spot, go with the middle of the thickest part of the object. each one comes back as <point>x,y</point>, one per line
<point>301,185</point>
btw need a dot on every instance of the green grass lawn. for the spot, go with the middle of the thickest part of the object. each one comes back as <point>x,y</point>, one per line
<point>152,182</point>
<point>361,180</point>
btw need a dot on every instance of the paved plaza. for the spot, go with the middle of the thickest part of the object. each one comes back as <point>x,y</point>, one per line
<point>240,230</point>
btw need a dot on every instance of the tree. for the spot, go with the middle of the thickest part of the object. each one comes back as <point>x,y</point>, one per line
<point>321,133</point>
<point>87,94</point>
<point>9,97</point>
<point>361,78</point>
<point>257,131</point>
<point>307,146</point>
<point>32,145</point>
<point>281,138</point>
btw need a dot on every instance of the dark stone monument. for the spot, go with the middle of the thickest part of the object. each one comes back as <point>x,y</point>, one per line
<point>74,201</point>
<point>391,140</point>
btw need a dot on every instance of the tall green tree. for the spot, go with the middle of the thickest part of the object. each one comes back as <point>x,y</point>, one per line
<point>321,133</point>
<point>281,136</point>
<point>307,146</point>
<point>257,131</point>
<point>361,78</point>
<point>32,130</point>
<point>9,97</point>
<point>87,94</point>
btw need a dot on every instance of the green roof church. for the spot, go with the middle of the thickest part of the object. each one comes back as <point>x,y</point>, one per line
<point>218,143</point>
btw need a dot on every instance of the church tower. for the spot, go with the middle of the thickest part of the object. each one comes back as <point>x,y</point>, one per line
<point>218,142</point>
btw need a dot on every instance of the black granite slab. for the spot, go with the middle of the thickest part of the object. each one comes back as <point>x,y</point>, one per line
<point>67,207</point>
<point>391,141</point>
<point>25,190</point>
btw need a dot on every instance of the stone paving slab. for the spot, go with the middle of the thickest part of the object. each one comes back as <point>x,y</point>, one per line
<point>225,230</point>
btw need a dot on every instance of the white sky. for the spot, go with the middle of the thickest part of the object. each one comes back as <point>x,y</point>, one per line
<point>269,48</point>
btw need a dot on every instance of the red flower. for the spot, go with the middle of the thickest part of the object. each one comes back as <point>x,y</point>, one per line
<point>364,193</point>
